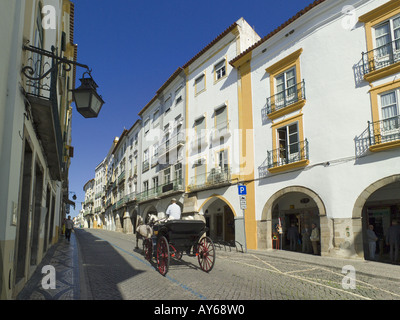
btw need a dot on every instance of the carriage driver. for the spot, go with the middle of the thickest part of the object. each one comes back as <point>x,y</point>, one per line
<point>173,211</point>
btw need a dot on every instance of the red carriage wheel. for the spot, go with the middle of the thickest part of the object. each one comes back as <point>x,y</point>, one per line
<point>162,255</point>
<point>148,249</point>
<point>206,254</point>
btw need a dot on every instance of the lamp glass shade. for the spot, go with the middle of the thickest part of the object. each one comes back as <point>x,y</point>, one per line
<point>87,100</point>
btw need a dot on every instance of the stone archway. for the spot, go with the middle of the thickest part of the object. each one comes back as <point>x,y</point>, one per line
<point>220,218</point>
<point>265,225</point>
<point>151,209</point>
<point>381,196</point>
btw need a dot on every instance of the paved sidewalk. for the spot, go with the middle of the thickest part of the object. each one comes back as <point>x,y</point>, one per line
<point>63,256</point>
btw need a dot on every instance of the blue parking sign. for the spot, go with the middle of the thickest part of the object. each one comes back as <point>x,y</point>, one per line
<point>242,190</point>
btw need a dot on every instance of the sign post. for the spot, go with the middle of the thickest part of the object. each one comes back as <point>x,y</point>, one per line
<point>242,191</point>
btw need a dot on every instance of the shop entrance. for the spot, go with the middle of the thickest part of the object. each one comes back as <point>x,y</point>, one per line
<point>380,212</point>
<point>295,212</point>
<point>220,221</point>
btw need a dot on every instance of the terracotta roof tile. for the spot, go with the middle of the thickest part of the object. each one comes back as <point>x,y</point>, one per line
<point>282,26</point>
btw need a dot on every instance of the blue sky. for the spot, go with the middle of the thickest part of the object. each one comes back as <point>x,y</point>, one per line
<point>133,47</point>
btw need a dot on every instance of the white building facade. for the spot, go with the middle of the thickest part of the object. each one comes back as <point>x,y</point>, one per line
<point>326,125</point>
<point>35,134</point>
<point>307,118</point>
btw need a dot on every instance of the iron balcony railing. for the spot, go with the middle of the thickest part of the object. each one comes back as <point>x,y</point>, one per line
<point>42,76</point>
<point>175,141</point>
<point>120,203</point>
<point>121,177</point>
<point>173,185</point>
<point>286,98</point>
<point>381,57</point>
<point>293,153</point>
<point>384,130</point>
<point>216,177</point>
<point>145,165</point>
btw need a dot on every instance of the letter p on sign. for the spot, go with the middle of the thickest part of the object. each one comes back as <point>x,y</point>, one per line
<point>242,190</point>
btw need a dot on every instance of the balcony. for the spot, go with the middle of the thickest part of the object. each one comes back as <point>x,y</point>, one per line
<point>120,203</point>
<point>173,142</point>
<point>285,102</point>
<point>381,135</point>
<point>216,178</point>
<point>130,197</point>
<point>121,177</point>
<point>161,190</point>
<point>294,156</point>
<point>382,61</point>
<point>145,166</point>
<point>40,76</point>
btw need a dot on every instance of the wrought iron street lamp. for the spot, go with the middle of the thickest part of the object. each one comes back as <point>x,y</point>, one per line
<point>88,102</point>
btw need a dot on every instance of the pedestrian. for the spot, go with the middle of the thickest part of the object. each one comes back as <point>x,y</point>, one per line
<point>69,226</point>
<point>372,238</point>
<point>173,211</point>
<point>63,227</point>
<point>305,237</point>
<point>314,238</point>
<point>293,236</point>
<point>393,240</point>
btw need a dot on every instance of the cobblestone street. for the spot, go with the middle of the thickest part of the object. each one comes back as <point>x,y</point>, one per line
<point>114,270</point>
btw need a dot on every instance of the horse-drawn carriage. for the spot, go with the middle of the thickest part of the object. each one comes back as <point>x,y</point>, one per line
<point>174,238</point>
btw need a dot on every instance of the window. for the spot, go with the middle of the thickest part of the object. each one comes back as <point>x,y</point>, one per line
<point>220,70</point>
<point>178,95</point>
<point>167,175</point>
<point>221,118</point>
<point>200,125</point>
<point>390,111</point>
<point>178,171</point>
<point>155,182</point>
<point>146,186</point>
<point>167,105</point>
<point>146,126</point>
<point>387,37</point>
<point>387,43</point>
<point>288,144</point>
<point>222,160</point>
<point>382,28</point>
<point>285,87</point>
<point>200,84</point>
<point>200,172</point>
<point>156,114</point>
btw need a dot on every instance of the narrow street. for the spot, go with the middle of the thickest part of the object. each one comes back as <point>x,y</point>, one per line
<point>113,270</point>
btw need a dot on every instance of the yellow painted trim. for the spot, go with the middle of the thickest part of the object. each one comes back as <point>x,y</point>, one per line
<point>289,109</point>
<point>196,93</point>
<point>246,145</point>
<point>297,118</point>
<point>291,61</point>
<point>285,63</point>
<point>375,92</point>
<point>221,198</point>
<point>226,70</point>
<point>382,73</point>
<point>371,19</point>
<point>290,166</point>
<point>385,146</point>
